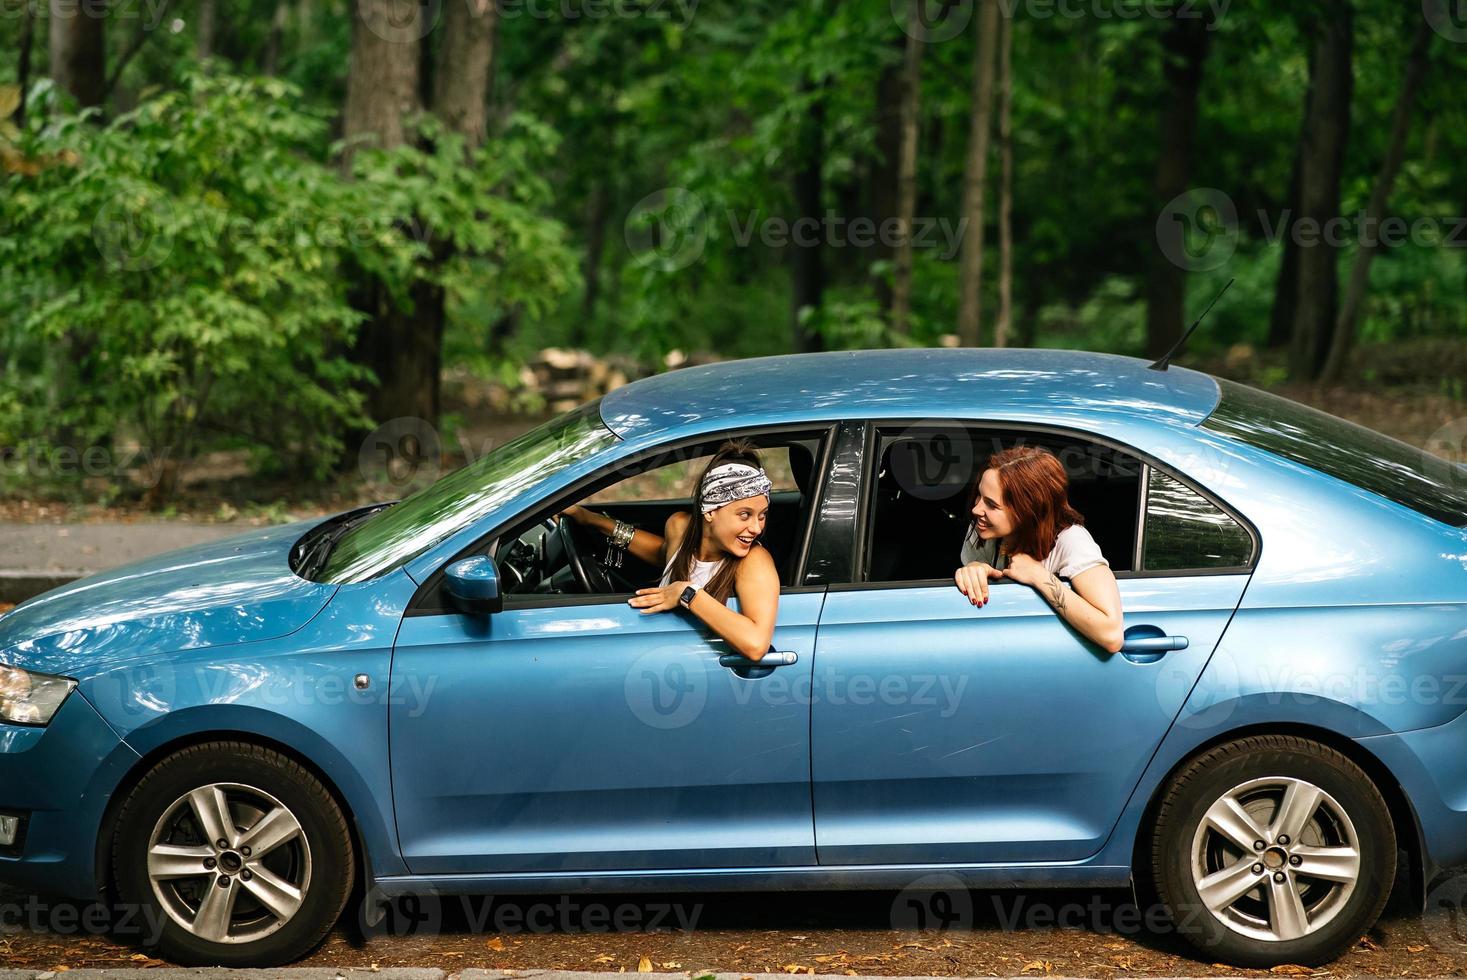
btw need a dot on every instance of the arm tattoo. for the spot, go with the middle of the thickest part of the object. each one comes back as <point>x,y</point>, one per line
<point>1056,593</point>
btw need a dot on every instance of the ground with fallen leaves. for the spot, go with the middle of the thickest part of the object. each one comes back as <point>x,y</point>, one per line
<point>998,934</point>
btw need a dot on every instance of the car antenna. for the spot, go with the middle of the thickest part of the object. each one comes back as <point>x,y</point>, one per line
<point>1164,361</point>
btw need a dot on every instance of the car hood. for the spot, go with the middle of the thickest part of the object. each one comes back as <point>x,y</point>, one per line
<point>235,590</point>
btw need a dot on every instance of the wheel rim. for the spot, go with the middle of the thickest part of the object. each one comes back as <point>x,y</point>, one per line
<point>1275,858</point>
<point>229,863</point>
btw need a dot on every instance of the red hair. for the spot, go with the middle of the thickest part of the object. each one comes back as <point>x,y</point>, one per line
<point>1036,492</point>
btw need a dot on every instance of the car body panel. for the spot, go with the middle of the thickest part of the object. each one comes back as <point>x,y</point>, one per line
<point>596,737</point>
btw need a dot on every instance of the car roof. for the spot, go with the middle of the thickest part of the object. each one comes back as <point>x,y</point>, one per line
<point>968,382</point>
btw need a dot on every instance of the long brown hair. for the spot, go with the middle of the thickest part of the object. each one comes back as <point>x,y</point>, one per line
<point>1036,492</point>
<point>721,585</point>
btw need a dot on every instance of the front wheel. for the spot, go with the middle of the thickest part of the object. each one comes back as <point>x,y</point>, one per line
<point>237,852</point>
<point>1273,849</point>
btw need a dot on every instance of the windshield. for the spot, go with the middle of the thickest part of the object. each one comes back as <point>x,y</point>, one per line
<point>402,532</point>
<point>1396,470</point>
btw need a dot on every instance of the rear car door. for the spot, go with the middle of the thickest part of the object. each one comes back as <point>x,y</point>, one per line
<point>944,733</point>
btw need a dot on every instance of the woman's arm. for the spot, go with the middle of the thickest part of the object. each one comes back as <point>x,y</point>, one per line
<point>1093,606</point>
<point>646,545</point>
<point>748,631</point>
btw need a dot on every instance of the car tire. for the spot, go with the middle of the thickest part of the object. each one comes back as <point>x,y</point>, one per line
<point>265,898</point>
<point>1320,887</point>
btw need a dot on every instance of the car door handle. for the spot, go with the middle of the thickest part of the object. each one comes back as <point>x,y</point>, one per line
<point>738,660</point>
<point>1154,644</point>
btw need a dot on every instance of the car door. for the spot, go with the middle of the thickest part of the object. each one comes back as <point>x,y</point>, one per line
<point>574,733</point>
<point>944,733</point>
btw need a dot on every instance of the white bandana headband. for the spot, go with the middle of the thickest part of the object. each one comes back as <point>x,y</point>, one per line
<point>733,481</point>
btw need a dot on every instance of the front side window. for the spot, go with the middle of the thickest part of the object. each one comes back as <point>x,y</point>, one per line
<point>392,537</point>
<point>1185,530</point>
<point>1393,469</point>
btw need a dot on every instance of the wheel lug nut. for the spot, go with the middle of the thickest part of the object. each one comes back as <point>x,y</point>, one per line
<point>246,874</point>
<point>1283,838</point>
<point>245,851</point>
<point>1296,860</point>
<point>1258,845</point>
<point>223,881</point>
<point>222,844</point>
<point>1258,869</point>
<point>210,863</point>
<point>1278,876</point>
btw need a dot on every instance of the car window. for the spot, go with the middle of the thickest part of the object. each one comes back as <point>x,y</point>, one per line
<point>1393,469</point>
<point>920,500</point>
<point>1185,530</point>
<point>405,530</point>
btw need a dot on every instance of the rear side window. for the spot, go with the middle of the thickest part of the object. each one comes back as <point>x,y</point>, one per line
<point>1385,466</point>
<point>1185,530</point>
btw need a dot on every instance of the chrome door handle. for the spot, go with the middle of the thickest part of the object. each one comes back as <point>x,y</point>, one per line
<point>738,660</point>
<point>1154,644</point>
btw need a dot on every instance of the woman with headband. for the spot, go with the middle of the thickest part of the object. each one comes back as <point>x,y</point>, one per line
<point>712,553</point>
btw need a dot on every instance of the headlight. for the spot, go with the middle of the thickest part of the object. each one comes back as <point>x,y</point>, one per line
<point>30,699</point>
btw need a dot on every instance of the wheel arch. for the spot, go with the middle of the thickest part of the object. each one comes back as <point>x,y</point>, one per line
<point>1403,815</point>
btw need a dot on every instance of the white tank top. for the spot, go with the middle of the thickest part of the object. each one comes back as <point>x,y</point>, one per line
<point>702,572</point>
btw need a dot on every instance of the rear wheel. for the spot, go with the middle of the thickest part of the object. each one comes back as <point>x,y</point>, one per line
<point>237,852</point>
<point>1273,849</point>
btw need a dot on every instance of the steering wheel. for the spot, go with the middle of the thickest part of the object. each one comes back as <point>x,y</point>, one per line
<point>590,575</point>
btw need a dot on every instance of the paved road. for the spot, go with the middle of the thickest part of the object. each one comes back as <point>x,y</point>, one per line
<point>1011,933</point>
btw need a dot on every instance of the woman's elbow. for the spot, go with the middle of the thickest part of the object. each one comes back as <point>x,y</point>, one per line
<point>1113,639</point>
<point>751,651</point>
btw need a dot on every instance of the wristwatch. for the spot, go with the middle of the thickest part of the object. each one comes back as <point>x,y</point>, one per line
<point>686,599</point>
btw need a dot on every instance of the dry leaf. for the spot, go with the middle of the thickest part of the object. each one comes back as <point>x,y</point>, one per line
<point>496,944</point>
<point>1037,966</point>
<point>1415,949</point>
<point>605,958</point>
<point>672,966</point>
<point>1291,970</point>
<point>644,965</point>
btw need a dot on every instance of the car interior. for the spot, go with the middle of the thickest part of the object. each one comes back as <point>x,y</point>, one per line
<point>547,556</point>
<point>921,502</point>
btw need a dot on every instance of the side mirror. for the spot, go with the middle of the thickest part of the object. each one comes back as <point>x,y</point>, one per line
<point>473,585</point>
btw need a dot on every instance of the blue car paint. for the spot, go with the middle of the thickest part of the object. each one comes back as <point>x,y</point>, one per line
<point>208,634</point>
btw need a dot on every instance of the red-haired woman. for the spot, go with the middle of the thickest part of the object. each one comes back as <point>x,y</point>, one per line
<point>1025,530</point>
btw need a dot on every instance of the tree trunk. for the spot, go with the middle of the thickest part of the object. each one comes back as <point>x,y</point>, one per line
<point>975,174</point>
<point>1003,325</point>
<point>597,212</point>
<point>1348,322</point>
<point>382,80</point>
<point>807,261</point>
<point>23,69</point>
<point>885,196</point>
<point>275,42</point>
<point>1281,320</point>
<point>1184,51</point>
<point>208,17</point>
<point>906,175</point>
<point>1326,133</point>
<point>461,81</point>
<point>78,42</point>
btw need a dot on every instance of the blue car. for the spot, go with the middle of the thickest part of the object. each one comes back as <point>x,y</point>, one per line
<point>451,695</point>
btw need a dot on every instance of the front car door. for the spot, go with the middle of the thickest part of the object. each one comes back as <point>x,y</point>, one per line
<point>944,733</point>
<point>572,733</point>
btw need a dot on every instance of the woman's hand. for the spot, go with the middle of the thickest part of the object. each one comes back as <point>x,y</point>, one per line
<point>576,513</point>
<point>1023,568</point>
<point>972,580</point>
<point>658,598</point>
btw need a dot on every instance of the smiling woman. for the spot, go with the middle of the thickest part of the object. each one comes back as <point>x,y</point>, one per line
<point>398,534</point>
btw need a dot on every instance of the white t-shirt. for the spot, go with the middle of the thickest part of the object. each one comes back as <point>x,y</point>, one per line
<point>1074,551</point>
<point>700,573</point>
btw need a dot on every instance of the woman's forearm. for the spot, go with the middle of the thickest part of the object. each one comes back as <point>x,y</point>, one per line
<point>742,633</point>
<point>644,544</point>
<point>1073,608</point>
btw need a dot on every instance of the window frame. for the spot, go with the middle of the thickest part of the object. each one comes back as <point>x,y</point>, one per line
<point>428,599</point>
<point>865,516</point>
